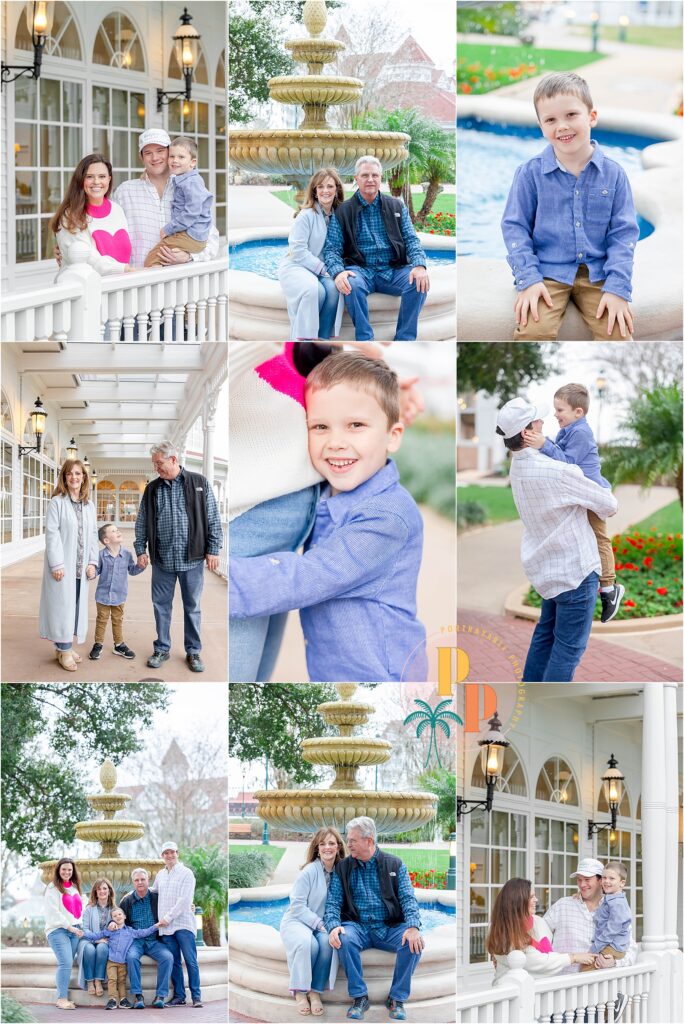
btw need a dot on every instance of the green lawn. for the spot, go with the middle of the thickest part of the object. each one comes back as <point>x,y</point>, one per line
<point>669,37</point>
<point>274,852</point>
<point>498,501</point>
<point>444,203</point>
<point>496,57</point>
<point>420,860</point>
<point>666,520</point>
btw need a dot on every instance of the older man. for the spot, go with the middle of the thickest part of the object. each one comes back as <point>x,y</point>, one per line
<point>372,247</point>
<point>179,524</point>
<point>175,885</point>
<point>141,910</point>
<point>371,905</point>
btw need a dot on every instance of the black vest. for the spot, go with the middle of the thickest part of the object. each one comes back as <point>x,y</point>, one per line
<point>347,214</point>
<point>195,488</point>
<point>389,888</point>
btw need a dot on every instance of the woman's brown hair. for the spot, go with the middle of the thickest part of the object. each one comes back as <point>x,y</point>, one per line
<point>312,852</point>
<point>75,877</point>
<point>92,899</point>
<point>71,212</point>
<point>317,179</point>
<point>509,927</point>
<point>61,487</point>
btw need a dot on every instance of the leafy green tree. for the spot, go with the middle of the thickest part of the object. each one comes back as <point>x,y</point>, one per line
<point>502,19</point>
<point>442,783</point>
<point>503,369</point>
<point>439,167</point>
<point>49,732</point>
<point>653,451</point>
<point>210,867</point>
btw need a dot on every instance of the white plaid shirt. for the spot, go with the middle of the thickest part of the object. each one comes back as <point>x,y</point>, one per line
<point>147,212</point>
<point>558,547</point>
<point>572,924</point>
<point>176,889</point>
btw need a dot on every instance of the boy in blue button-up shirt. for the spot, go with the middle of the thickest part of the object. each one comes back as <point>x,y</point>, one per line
<point>613,918</point>
<point>115,565</point>
<point>355,584</point>
<point>570,225</point>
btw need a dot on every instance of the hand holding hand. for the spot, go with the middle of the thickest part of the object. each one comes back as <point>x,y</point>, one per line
<point>533,438</point>
<point>212,562</point>
<point>58,574</point>
<point>77,931</point>
<point>618,309</point>
<point>163,923</point>
<point>415,940</point>
<point>583,958</point>
<point>91,572</point>
<point>141,561</point>
<point>333,937</point>
<point>420,276</point>
<point>528,300</point>
<point>342,281</point>
<point>605,961</point>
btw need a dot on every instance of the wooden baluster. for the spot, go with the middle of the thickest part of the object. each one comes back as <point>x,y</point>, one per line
<point>192,321</point>
<point>167,314</point>
<point>644,1007</point>
<point>610,1011</point>
<point>211,316</point>
<point>155,324</point>
<point>222,328</point>
<point>114,329</point>
<point>636,1011</point>
<point>180,322</point>
<point>129,328</point>
<point>142,321</point>
<point>201,319</point>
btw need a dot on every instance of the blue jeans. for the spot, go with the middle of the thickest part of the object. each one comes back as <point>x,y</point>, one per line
<point>358,937</point>
<point>561,636</point>
<point>67,646</point>
<point>64,945</point>
<point>95,960</point>
<point>163,587</point>
<point>328,298</point>
<point>183,941</point>
<point>281,524</point>
<point>158,951</point>
<point>321,956</point>
<point>367,281</point>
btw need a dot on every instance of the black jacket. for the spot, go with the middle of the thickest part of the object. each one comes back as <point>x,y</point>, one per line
<point>347,214</point>
<point>126,905</point>
<point>195,488</point>
<point>388,873</point>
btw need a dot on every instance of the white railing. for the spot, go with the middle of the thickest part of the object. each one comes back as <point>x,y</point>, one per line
<point>187,302</point>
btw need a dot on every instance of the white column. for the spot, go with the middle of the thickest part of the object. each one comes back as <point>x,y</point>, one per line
<point>670,866</point>
<point>208,427</point>
<point>654,818</point>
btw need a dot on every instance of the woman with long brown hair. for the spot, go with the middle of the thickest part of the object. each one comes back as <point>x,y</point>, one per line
<point>71,559</point>
<point>89,227</point>
<point>514,926</point>
<point>314,304</point>
<point>92,956</point>
<point>63,908</point>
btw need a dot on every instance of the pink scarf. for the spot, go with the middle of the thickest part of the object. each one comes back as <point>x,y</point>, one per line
<point>544,946</point>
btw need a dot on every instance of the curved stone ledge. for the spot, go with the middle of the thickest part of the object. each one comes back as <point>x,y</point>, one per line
<point>514,605</point>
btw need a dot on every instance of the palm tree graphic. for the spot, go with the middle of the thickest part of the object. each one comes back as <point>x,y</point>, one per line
<point>437,718</point>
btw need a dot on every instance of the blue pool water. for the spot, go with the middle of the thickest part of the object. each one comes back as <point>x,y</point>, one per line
<point>271,913</point>
<point>488,155</point>
<point>263,256</point>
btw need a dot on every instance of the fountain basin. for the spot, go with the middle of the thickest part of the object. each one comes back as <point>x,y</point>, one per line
<point>117,830</point>
<point>298,153</point>
<point>270,912</point>
<point>328,90</point>
<point>307,810</point>
<point>346,750</point>
<point>117,870</point>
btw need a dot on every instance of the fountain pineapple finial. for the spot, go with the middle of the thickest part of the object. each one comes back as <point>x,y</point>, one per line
<point>108,775</point>
<point>314,17</point>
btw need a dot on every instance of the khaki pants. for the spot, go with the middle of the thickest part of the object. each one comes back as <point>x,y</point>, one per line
<point>181,240</point>
<point>586,297</point>
<point>605,548</point>
<point>607,950</point>
<point>103,612</point>
<point>116,979</point>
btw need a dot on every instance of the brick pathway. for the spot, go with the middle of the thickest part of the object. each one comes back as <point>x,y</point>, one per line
<point>500,648</point>
<point>212,1013</point>
<point>235,1018</point>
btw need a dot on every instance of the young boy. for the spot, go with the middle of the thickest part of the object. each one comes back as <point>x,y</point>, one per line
<point>356,581</point>
<point>190,222</point>
<point>613,918</point>
<point>569,225</point>
<point>575,444</point>
<point>120,941</point>
<point>114,567</point>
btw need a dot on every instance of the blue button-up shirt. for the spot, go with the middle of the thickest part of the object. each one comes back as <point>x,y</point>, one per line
<point>612,922</point>
<point>190,206</point>
<point>576,444</point>
<point>120,941</point>
<point>553,222</point>
<point>355,585</point>
<point>113,571</point>
<point>373,242</point>
<point>172,526</point>
<point>365,888</point>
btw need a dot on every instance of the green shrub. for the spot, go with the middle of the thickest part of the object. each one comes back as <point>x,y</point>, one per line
<point>248,869</point>
<point>12,1012</point>
<point>426,465</point>
<point>470,513</point>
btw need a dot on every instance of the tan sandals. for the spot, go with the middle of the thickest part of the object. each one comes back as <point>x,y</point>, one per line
<point>98,987</point>
<point>65,1004</point>
<point>68,663</point>
<point>316,1004</point>
<point>74,654</point>
<point>302,1003</point>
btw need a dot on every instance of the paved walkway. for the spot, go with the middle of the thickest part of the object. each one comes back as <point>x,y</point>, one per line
<point>211,1013</point>
<point>26,658</point>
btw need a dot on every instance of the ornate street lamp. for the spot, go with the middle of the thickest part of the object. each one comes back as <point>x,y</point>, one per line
<point>38,417</point>
<point>186,42</point>
<point>595,19</point>
<point>72,449</point>
<point>612,790</point>
<point>451,873</point>
<point>492,758</point>
<point>39,18</point>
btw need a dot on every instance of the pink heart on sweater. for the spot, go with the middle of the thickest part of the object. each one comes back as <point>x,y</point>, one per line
<point>118,246</point>
<point>73,903</point>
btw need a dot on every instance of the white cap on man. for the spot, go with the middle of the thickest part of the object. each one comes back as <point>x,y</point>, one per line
<point>515,415</point>
<point>169,846</point>
<point>588,867</point>
<point>153,137</point>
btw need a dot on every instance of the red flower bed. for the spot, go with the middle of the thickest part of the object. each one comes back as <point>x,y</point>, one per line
<point>428,879</point>
<point>473,78</point>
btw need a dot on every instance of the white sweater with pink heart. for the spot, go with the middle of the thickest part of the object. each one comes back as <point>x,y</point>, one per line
<point>105,245</point>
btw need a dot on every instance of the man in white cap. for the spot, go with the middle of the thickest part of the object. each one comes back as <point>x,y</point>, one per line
<point>559,552</point>
<point>175,885</point>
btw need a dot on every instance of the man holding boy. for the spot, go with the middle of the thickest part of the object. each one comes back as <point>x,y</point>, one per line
<point>190,221</point>
<point>570,225</point>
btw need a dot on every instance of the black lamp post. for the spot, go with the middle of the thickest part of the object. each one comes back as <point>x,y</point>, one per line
<point>612,788</point>
<point>38,417</point>
<point>492,758</point>
<point>243,794</point>
<point>39,18</point>
<point>186,41</point>
<point>595,20</point>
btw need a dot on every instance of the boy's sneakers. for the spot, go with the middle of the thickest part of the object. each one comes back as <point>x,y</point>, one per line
<point>358,1008</point>
<point>620,1006</point>
<point>95,652</point>
<point>126,1005</point>
<point>610,602</point>
<point>111,1005</point>
<point>123,651</point>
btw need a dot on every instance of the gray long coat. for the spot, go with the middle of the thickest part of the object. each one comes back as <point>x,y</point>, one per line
<point>307,906</point>
<point>300,270</point>
<point>58,600</point>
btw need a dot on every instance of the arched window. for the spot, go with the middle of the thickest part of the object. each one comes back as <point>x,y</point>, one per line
<point>512,778</point>
<point>118,44</point>
<point>638,810</point>
<point>106,501</point>
<point>557,784</point>
<point>221,72</point>
<point>63,41</point>
<point>129,501</point>
<point>48,447</point>
<point>199,75</point>
<point>7,421</point>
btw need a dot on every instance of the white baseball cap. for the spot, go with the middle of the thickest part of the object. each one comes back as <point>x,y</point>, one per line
<point>588,867</point>
<point>516,414</point>
<point>169,846</point>
<point>153,137</point>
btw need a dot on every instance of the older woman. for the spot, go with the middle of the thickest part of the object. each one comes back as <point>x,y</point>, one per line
<point>71,558</point>
<point>314,304</point>
<point>311,959</point>
<point>63,908</point>
<point>92,956</point>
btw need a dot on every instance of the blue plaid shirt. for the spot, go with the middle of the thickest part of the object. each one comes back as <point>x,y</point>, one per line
<point>365,888</point>
<point>355,585</point>
<point>141,911</point>
<point>554,222</point>
<point>373,242</point>
<point>172,527</point>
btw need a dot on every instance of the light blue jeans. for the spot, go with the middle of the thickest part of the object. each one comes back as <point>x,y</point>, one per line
<point>281,524</point>
<point>95,960</point>
<point>64,945</point>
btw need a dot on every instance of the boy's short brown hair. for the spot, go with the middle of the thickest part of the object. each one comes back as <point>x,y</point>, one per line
<point>618,867</point>
<point>186,143</point>
<point>560,83</point>
<point>370,375</point>
<point>102,532</point>
<point>576,395</point>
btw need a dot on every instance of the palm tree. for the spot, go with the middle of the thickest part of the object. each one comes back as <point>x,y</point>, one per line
<point>442,783</point>
<point>440,166</point>
<point>436,719</point>
<point>210,868</point>
<point>655,419</point>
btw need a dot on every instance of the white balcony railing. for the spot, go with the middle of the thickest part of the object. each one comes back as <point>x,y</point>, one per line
<point>187,302</point>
